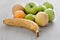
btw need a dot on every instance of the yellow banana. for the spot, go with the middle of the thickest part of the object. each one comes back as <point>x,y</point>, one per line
<point>23,23</point>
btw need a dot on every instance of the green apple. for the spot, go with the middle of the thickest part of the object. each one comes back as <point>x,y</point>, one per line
<point>51,14</point>
<point>30,17</point>
<point>41,18</point>
<point>31,8</point>
<point>48,5</point>
<point>41,8</point>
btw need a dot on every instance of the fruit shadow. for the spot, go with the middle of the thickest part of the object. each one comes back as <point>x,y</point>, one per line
<point>24,33</point>
<point>46,28</point>
<point>21,32</point>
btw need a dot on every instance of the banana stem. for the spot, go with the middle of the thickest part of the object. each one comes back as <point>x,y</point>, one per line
<point>37,33</point>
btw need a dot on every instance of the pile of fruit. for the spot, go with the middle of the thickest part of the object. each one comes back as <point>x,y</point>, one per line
<point>31,16</point>
<point>41,14</point>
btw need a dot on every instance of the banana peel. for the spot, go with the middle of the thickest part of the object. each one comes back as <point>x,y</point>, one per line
<point>28,24</point>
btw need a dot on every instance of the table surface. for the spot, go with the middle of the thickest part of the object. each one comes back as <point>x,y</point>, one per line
<point>51,32</point>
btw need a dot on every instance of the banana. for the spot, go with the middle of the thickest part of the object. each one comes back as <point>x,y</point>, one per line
<point>23,23</point>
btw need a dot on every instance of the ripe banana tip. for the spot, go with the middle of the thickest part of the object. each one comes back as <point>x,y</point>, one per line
<point>37,33</point>
<point>3,21</point>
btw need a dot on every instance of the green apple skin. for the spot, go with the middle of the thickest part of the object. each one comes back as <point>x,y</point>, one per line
<point>48,5</point>
<point>30,17</point>
<point>51,14</point>
<point>41,8</point>
<point>31,8</point>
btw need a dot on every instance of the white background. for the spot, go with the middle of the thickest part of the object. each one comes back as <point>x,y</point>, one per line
<point>51,32</point>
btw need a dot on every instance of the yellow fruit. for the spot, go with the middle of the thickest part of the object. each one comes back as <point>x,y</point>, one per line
<point>19,14</point>
<point>41,18</point>
<point>28,24</point>
<point>17,7</point>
